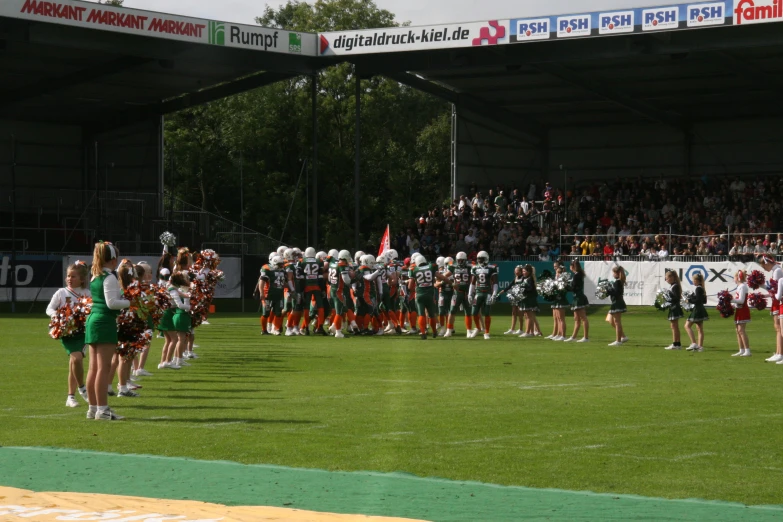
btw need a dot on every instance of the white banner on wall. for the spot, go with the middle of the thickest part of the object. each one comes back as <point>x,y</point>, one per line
<point>125,20</point>
<point>229,288</point>
<point>644,278</point>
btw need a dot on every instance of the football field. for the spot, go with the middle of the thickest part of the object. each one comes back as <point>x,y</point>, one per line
<point>630,420</point>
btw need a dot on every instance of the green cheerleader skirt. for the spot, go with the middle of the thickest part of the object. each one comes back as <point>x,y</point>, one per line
<point>101,329</point>
<point>182,321</point>
<point>167,321</point>
<point>73,344</point>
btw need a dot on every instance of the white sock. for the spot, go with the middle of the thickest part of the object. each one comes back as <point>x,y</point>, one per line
<point>123,387</point>
<point>110,388</point>
<point>92,409</point>
<point>746,351</point>
<point>102,409</point>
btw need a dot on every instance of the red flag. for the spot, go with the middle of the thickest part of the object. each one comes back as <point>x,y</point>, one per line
<point>385,245</point>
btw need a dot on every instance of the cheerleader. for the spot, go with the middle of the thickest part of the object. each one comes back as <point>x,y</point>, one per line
<point>516,313</point>
<point>698,315</point>
<point>163,281</point>
<point>768,263</point>
<point>144,273</point>
<point>183,264</point>
<point>742,314</point>
<point>618,308</point>
<point>127,275</point>
<point>580,303</point>
<point>675,310</point>
<point>559,308</point>
<point>529,305</point>
<point>75,288</point>
<point>101,329</point>
<point>180,320</point>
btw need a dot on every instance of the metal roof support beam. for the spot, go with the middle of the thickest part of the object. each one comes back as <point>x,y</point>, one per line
<point>531,130</point>
<point>650,112</point>
<point>137,114</point>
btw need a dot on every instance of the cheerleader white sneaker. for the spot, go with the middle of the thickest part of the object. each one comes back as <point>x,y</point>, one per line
<point>71,402</point>
<point>616,343</point>
<point>692,347</point>
<point>205,322</point>
<point>538,334</point>
<point>623,340</point>
<point>672,347</point>
<point>141,372</point>
<point>738,354</point>
<point>525,335</point>
<point>107,414</point>
<point>549,337</point>
<point>746,353</point>
<point>516,332</point>
<point>583,340</point>
<point>173,366</point>
<point>774,358</point>
<point>509,332</point>
<point>83,393</point>
<point>569,340</point>
<point>779,362</point>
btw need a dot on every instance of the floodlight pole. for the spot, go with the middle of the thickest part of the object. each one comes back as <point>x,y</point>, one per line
<point>356,173</point>
<point>13,224</point>
<point>314,95</point>
<point>242,231</point>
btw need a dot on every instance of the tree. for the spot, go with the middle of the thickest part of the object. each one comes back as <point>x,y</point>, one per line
<point>405,143</point>
<point>115,3</point>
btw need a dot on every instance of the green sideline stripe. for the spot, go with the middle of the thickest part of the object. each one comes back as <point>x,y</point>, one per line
<point>368,493</point>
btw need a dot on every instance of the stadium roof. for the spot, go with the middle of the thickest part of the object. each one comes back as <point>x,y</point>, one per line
<point>88,64</point>
<point>671,65</point>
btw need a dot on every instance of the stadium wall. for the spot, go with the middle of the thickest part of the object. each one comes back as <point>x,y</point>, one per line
<point>489,154</point>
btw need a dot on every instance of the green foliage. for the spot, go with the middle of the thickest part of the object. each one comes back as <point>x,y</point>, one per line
<point>115,3</point>
<point>405,143</point>
<point>530,412</point>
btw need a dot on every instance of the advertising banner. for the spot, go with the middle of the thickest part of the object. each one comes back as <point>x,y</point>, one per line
<point>717,276</point>
<point>33,274</point>
<point>147,23</point>
<point>642,281</point>
<point>229,288</point>
<point>640,20</point>
<point>395,39</point>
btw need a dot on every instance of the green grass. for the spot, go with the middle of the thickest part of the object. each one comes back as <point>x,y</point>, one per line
<point>634,419</point>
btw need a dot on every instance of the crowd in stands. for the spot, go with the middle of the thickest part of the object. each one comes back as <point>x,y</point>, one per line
<point>651,218</point>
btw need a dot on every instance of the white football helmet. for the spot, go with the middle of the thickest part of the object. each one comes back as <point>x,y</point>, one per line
<point>272,256</point>
<point>281,250</point>
<point>333,253</point>
<point>462,258</point>
<point>297,253</point>
<point>381,259</point>
<point>368,260</point>
<point>277,262</point>
<point>449,261</point>
<point>392,255</point>
<point>309,252</point>
<point>482,258</point>
<point>288,255</point>
<point>344,255</point>
<point>419,260</point>
<point>440,261</point>
<point>321,256</point>
<point>357,257</point>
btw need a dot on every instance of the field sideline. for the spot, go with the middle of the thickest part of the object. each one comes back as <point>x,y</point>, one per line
<point>585,417</point>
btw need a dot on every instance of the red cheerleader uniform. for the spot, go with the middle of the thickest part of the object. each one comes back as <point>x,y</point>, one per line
<point>742,313</point>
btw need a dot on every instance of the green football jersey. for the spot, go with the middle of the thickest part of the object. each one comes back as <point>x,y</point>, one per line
<point>461,276</point>
<point>424,276</point>
<point>483,275</point>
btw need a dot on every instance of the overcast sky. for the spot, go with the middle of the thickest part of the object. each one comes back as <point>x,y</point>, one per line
<point>418,12</point>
